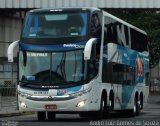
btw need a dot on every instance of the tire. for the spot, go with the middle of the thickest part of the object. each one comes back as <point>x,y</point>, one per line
<point>104,110</point>
<point>101,113</point>
<point>84,115</point>
<point>111,100</point>
<point>41,116</point>
<point>51,116</point>
<point>136,109</point>
<point>141,102</point>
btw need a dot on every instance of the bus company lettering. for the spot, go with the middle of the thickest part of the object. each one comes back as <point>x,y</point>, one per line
<point>37,54</point>
<point>73,46</point>
<point>139,66</point>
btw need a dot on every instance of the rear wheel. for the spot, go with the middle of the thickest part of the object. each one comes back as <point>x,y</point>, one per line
<point>141,102</point>
<point>111,103</point>
<point>105,109</point>
<point>136,109</point>
<point>84,115</point>
<point>41,116</point>
<point>51,115</point>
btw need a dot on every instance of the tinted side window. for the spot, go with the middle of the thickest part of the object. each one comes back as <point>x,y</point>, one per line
<point>139,41</point>
<point>118,73</point>
<point>117,32</point>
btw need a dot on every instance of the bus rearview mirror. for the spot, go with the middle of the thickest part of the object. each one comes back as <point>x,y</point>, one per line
<point>10,50</point>
<point>88,48</point>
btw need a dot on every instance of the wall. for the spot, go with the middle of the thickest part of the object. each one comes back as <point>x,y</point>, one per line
<point>80,3</point>
<point>10,29</point>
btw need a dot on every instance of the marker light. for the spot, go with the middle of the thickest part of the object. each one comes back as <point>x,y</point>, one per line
<point>81,104</point>
<point>23,105</point>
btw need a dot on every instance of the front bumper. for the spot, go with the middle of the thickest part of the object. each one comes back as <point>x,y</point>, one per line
<point>62,106</point>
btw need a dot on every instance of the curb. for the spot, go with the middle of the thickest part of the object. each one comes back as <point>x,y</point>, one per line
<point>16,114</point>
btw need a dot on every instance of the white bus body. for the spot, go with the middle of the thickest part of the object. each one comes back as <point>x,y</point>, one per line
<point>116,80</point>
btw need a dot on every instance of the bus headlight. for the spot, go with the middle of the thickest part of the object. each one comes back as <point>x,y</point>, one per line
<point>81,103</point>
<point>23,105</point>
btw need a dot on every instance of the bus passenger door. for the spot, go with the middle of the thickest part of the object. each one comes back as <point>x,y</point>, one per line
<point>94,60</point>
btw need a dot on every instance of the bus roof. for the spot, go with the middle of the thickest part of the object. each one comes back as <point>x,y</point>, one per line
<point>91,9</point>
<point>64,9</point>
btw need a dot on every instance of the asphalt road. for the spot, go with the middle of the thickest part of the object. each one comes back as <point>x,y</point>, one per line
<point>149,116</point>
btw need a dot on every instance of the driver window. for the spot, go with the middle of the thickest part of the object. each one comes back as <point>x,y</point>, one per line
<point>96,25</point>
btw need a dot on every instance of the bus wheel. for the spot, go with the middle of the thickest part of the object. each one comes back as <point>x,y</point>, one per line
<point>41,116</point>
<point>98,115</point>
<point>136,109</point>
<point>141,102</point>
<point>104,109</point>
<point>51,115</point>
<point>111,103</point>
<point>84,115</point>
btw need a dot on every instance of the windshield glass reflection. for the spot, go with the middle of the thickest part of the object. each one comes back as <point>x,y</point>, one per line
<point>52,68</point>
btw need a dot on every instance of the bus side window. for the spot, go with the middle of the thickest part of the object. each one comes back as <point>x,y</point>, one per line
<point>118,74</point>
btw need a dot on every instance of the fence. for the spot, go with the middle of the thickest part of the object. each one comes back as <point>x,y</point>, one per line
<point>8,97</point>
<point>8,91</point>
<point>8,74</point>
<point>8,84</point>
<point>8,78</point>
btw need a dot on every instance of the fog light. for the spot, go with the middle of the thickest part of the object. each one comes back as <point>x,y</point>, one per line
<point>81,104</point>
<point>23,105</point>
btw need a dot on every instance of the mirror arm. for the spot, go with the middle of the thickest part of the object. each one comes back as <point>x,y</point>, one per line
<point>88,48</point>
<point>11,49</point>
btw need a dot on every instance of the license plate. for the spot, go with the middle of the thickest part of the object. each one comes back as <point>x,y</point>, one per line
<point>50,106</point>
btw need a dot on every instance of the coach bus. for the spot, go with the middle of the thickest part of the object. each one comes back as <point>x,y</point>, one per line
<point>81,61</point>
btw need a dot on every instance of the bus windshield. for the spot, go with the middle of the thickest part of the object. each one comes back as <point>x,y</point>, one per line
<point>55,25</point>
<point>52,68</point>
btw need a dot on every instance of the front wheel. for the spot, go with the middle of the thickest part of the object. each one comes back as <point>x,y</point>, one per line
<point>51,115</point>
<point>41,116</point>
<point>84,115</point>
<point>102,113</point>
